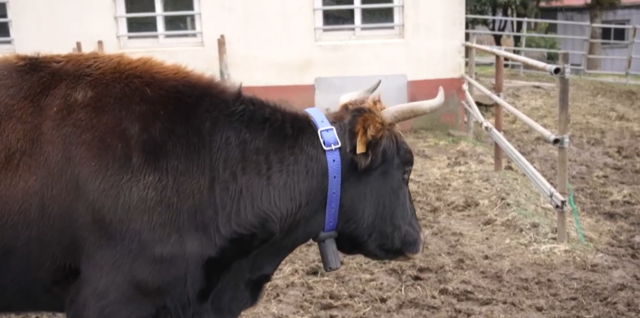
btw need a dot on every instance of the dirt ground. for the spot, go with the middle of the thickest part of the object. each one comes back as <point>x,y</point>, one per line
<point>490,237</point>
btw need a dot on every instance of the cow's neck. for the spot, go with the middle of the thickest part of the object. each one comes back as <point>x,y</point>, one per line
<point>241,286</point>
<point>284,208</point>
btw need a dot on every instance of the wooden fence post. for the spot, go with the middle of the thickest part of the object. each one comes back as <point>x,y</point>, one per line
<point>222,58</point>
<point>563,132</point>
<point>499,87</point>
<point>100,46</point>
<point>471,71</point>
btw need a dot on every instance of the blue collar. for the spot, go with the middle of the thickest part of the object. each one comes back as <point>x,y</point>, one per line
<point>331,144</point>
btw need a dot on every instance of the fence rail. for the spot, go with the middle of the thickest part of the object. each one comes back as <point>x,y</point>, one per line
<point>553,69</point>
<point>630,70</point>
<point>557,197</point>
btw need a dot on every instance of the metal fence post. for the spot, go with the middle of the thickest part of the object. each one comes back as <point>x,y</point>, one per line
<point>499,87</point>
<point>471,71</point>
<point>585,59</point>
<point>632,42</point>
<point>523,42</point>
<point>563,132</point>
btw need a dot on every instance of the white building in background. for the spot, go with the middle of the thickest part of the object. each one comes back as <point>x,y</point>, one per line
<point>278,49</point>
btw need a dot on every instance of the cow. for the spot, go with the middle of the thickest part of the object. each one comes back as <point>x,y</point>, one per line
<point>131,187</point>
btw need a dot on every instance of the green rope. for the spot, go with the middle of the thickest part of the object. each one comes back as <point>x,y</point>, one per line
<point>577,223</point>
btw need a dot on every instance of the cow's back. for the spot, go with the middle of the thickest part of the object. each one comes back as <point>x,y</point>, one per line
<point>88,142</point>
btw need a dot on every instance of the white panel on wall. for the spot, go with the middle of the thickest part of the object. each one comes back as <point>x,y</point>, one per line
<point>392,89</point>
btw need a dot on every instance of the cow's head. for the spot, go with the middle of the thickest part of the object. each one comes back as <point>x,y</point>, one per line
<point>377,218</point>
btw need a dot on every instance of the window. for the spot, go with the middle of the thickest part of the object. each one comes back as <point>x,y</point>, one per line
<point>358,19</point>
<point>614,34</point>
<point>6,42</point>
<point>158,22</point>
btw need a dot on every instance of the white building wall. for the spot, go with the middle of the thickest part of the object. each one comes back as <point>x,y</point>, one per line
<point>268,42</point>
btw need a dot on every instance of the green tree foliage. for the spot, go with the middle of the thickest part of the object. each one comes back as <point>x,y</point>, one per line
<point>511,8</point>
<point>543,42</point>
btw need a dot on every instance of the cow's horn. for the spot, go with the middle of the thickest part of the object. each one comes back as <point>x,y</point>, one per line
<point>402,112</point>
<point>359,94</point>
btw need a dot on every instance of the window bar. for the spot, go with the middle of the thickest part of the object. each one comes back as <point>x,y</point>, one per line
<point>397,17</point>
<point>363,26</point>
<point>160,33</point>
<point>155,14</point>
<point>357,17</point>
<point>190,23</point>
<point>358,6</point>
<point>160,20</point>
<point>197,18</point>
<point>358,27</point>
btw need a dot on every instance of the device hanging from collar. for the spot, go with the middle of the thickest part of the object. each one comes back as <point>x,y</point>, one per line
<point>331,144</point>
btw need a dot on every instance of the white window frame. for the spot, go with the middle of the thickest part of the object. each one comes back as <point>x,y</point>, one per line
<point>161,40</point>
<point>7,47</point>
<point>624,25</point>
<point>357,32</point>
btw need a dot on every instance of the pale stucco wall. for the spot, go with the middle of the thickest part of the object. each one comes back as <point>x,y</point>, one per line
<point>268,42</point>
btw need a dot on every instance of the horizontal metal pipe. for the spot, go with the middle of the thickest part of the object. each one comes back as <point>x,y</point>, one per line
<point>618,26</point>
<point>519,63</point>
<point>552,69</point>
<point>548,136</point>
<point>486,17</point>
<point>533,49</point>
<point>610,41</point>
<point>556,200</point>
<point>613,57</point>
<point>541,183</point>
<point>576,67</point>
<point>474,107</point>
<point>533,35</point>
<point>473,16</point>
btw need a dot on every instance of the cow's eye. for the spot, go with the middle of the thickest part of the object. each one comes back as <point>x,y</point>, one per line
<point>407,173</point>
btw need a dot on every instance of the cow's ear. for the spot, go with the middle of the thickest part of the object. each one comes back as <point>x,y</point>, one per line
<point>374,102</point>
<point>368,130</point>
